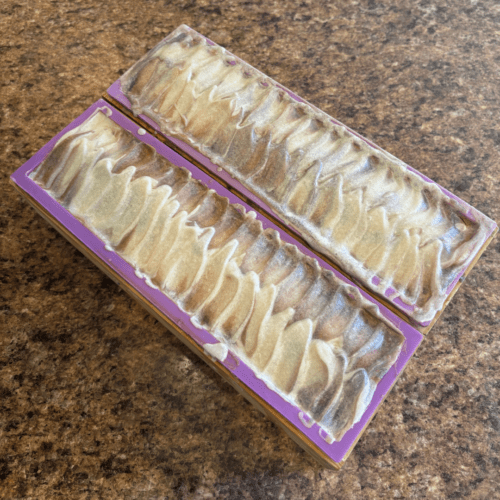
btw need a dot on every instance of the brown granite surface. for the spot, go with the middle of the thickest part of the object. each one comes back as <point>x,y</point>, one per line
<point>98,400</point>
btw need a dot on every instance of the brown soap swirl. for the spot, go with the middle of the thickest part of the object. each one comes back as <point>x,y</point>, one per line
<point>308,335</point>
<point>379,221</point>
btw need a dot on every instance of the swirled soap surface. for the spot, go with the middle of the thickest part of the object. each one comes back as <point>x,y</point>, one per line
<point>381,222</point>
<point>311,337</point>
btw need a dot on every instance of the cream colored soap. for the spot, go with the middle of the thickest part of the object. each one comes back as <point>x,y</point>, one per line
<point>308,335</point>
<point>358,205</point>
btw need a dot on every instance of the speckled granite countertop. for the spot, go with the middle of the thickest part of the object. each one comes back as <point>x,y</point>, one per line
<point>98,400</point>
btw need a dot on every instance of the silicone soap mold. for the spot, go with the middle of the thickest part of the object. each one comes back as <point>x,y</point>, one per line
<point>397,233</point>
<point>291,333</point>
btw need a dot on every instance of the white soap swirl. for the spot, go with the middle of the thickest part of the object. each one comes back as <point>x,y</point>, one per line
<point>309,336</point>
<point>398,234</point>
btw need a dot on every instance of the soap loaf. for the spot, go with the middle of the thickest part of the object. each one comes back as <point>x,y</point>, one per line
<point>381,222</point>
<point>308,335</point>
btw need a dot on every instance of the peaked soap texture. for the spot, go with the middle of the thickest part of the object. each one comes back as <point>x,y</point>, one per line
<point>311,337</point>
<point>381,222</point>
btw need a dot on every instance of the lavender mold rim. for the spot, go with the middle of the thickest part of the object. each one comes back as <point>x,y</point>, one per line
<point>388,294</point>
<point>336,451</point>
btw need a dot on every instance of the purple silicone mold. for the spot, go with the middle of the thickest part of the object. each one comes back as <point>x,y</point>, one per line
<point>390,296</point>
<point>337,451</point>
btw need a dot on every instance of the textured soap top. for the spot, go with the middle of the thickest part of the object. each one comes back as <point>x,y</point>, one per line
<point>312,338</point>
<point>382,223</point>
